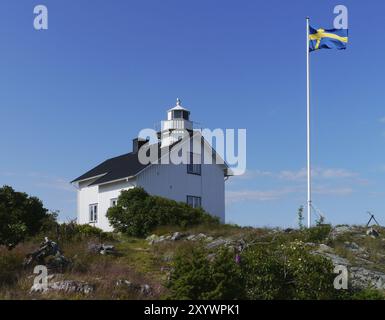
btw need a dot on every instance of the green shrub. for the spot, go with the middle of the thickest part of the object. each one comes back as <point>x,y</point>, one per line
<point>73,232</point>
<point>317,234</point>
<point>137,213</point>
<point>196,276</point>
<point>287,271</point>
<point>10,266</point>
<point>21,216</point>
<point>368,294</point>
<point>263,273</point>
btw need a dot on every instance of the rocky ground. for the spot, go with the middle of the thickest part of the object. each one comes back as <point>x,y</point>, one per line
<point>131,268</point>
<point>365,261</point>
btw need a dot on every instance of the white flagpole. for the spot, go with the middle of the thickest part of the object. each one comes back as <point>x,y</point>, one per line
<point>308,126</point>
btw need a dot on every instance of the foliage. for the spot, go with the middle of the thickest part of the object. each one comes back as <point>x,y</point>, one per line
<point>300,218</point>
<point>368,294</point>
<point>196,277</point>
<point>10,265</point>
<point>137,213</point>
<point>320,221</point>
<point>72,232</point>
<point>317,234</point>
<point>20,216</point>
<point>288,271</point>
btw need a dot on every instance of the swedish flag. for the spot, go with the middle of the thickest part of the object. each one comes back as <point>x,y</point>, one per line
<point>327,39</point>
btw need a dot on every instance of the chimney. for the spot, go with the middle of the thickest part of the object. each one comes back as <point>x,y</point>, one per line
<point>137,143</point>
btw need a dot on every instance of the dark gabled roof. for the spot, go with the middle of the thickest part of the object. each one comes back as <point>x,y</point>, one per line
<point>123,166</point>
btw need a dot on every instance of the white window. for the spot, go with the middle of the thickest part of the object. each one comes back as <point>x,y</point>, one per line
<point>93,210</point>
<point>195,202</point>
<point>113,202</point>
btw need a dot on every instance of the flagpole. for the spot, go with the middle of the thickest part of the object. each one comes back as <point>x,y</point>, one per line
<point>308,126</point>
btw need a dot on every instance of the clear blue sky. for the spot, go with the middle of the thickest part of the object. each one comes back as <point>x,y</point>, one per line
<point>76,94</point>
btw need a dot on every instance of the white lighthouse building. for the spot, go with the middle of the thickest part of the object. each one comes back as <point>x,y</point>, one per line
<point>176,125</point>
<point>197,184</point>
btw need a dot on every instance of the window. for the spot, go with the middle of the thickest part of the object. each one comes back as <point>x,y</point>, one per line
<point>93,212</point>
<point>195,202</point>
<point>113,202</point>
<point>193,168</point>
<point>180,114</point>
<point>185,115</point>
<point>177,114</point>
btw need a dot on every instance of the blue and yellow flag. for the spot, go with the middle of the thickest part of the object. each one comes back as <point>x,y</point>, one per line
<point>327,39</point>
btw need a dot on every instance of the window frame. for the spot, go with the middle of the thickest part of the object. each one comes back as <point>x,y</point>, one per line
<point>196,201</point>
<point>112,202</point>
<point>92,213</point>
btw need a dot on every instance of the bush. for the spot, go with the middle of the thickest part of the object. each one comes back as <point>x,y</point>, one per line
<point>288,271</point>
<point>20,216</point>
<point>285,271</point>
<point>368,294</point>
<point>76,232</point>
<point>263,274</point>
<point>318,233</point>
<point>196,277</point>
<point>10,265</point>
<point>137,213</point>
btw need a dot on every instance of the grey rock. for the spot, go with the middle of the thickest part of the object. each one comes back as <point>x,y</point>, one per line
<point>324,248</point>
<point>363,278</point>
<point>196,237</point>
<point>310,244</point>
<point>364,261</point>
<point>107,249</point>
<point>176,236</point>
<point>373,233</point>
<point>335,259</point>
<point>217,243</point>
<point>101,248</point>
<point>361,254</point>
<point>337,231</point>
<point>152,237</point>
<point>66,286</point>
<point>122,282</point>
<point>144,289</point>
<point>70,286</point>
<point>200,236</point>
<point>352,246</point>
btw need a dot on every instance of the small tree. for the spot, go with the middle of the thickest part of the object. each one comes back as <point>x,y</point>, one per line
<point>320,221</point>
<point>300,218</point>
<point>20,216</point>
